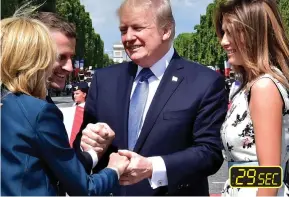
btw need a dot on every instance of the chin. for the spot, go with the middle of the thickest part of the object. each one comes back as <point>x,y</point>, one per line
<point>232,62</point>
<point>139,59</point>
<point>57,86</point>
<point>135,60</point>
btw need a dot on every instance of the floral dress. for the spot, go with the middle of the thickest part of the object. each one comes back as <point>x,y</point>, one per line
<point>239,138</point>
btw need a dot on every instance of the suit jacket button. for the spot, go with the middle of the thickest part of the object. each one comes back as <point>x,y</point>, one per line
<point>180,186</point>
<point>111,194</point>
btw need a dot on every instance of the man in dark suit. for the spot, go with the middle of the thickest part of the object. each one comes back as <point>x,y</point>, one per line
<point>165,110</point>
<point>64,35</point>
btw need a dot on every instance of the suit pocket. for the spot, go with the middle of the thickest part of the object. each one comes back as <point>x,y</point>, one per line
<point>180,114</point>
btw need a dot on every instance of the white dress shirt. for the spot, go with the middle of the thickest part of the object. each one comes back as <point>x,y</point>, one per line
<point>159,175</point>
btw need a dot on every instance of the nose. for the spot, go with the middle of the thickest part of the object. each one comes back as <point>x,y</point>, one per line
<point>130,35</point>
<point>68,66</point>
<point>225,42</point>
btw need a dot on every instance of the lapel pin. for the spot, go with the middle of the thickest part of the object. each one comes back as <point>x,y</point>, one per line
<point>174,78</point>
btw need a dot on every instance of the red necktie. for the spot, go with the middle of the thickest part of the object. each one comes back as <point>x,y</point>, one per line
<point>77,121</point>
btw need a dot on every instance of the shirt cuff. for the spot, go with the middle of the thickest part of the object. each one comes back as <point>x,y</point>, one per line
<point>116,170</point>
<point>94,157</point>
<point>159,175</point>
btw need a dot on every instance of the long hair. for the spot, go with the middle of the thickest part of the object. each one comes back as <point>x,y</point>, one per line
<point>258,32</point>
<point>27,56</point>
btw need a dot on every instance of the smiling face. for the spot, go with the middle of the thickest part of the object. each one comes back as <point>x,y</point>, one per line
<point>63,66</point>
<point>227,42</point>
<point>144,42</point>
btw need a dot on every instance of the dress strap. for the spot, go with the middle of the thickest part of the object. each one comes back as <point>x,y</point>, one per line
<point>281,88</point>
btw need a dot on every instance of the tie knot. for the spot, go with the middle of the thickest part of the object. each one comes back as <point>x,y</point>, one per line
<point>145,74</point>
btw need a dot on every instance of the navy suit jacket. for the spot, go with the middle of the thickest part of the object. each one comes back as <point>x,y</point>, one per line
<point>182,124</point>
<point>35,153</point>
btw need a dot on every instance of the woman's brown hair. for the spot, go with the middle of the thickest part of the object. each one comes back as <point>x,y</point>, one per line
<point>259,34</point>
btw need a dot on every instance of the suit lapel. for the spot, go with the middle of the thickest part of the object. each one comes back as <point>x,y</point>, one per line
<point>125,82</point>
<point>169,83</point>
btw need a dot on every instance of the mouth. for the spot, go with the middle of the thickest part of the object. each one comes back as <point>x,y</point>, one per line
<point>60,76</point>
<point>230,52</point>
<point>134,47</point>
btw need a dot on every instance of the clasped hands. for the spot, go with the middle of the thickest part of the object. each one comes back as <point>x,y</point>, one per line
<point>131,166</point>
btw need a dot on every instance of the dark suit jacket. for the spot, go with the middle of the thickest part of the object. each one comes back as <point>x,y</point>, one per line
<point>36,156</point>
<point>182,124</point>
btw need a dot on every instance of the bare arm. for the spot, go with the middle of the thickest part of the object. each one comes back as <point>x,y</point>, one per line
<point>266,112</point>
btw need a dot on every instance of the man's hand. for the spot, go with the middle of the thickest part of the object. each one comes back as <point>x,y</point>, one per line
<point>118,162</point>
<point>98,137</point>
<point>139,168</point>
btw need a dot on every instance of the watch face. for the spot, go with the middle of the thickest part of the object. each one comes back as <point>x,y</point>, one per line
<point>256,176</point>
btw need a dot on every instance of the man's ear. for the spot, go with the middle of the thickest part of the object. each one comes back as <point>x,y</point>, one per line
<point>167,33</point>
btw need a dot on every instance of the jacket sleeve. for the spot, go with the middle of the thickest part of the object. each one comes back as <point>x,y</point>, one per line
<point>204,157</point>
<point>53,147</point>
<point>89,116</point>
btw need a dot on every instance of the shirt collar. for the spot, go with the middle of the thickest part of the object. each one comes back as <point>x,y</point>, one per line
<point>80,104</point>
<point>160,66</point>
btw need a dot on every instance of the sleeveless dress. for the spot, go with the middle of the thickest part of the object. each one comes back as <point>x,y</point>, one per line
<point>239,139</point>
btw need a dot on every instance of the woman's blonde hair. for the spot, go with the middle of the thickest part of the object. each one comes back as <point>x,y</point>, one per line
<point>258,32</point>
<point>27,56</point>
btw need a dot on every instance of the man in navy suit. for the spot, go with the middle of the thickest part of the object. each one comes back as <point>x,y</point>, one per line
<point>165,111</point>
<point>64,34</point>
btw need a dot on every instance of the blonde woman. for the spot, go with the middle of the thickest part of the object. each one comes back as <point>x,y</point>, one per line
<point>255,131</point>
<point>35,154</point>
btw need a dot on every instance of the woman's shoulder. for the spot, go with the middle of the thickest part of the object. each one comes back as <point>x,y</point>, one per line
<point>29,102</point>
<point>30,106</point>
<point>266,82</point>
<point>264,85</point>
<point>269,85</point>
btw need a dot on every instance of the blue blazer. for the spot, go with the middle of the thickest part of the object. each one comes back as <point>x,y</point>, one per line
<point>36,157</point>
<point>182,124</point>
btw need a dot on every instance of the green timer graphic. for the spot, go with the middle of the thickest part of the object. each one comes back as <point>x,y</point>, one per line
<point>255,176</point>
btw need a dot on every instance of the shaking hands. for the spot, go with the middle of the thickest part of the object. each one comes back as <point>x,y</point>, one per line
<point>132,167</point>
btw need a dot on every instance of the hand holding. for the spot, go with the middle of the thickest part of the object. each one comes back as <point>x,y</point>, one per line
<point>118,162</point>
<point>138,169</point>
